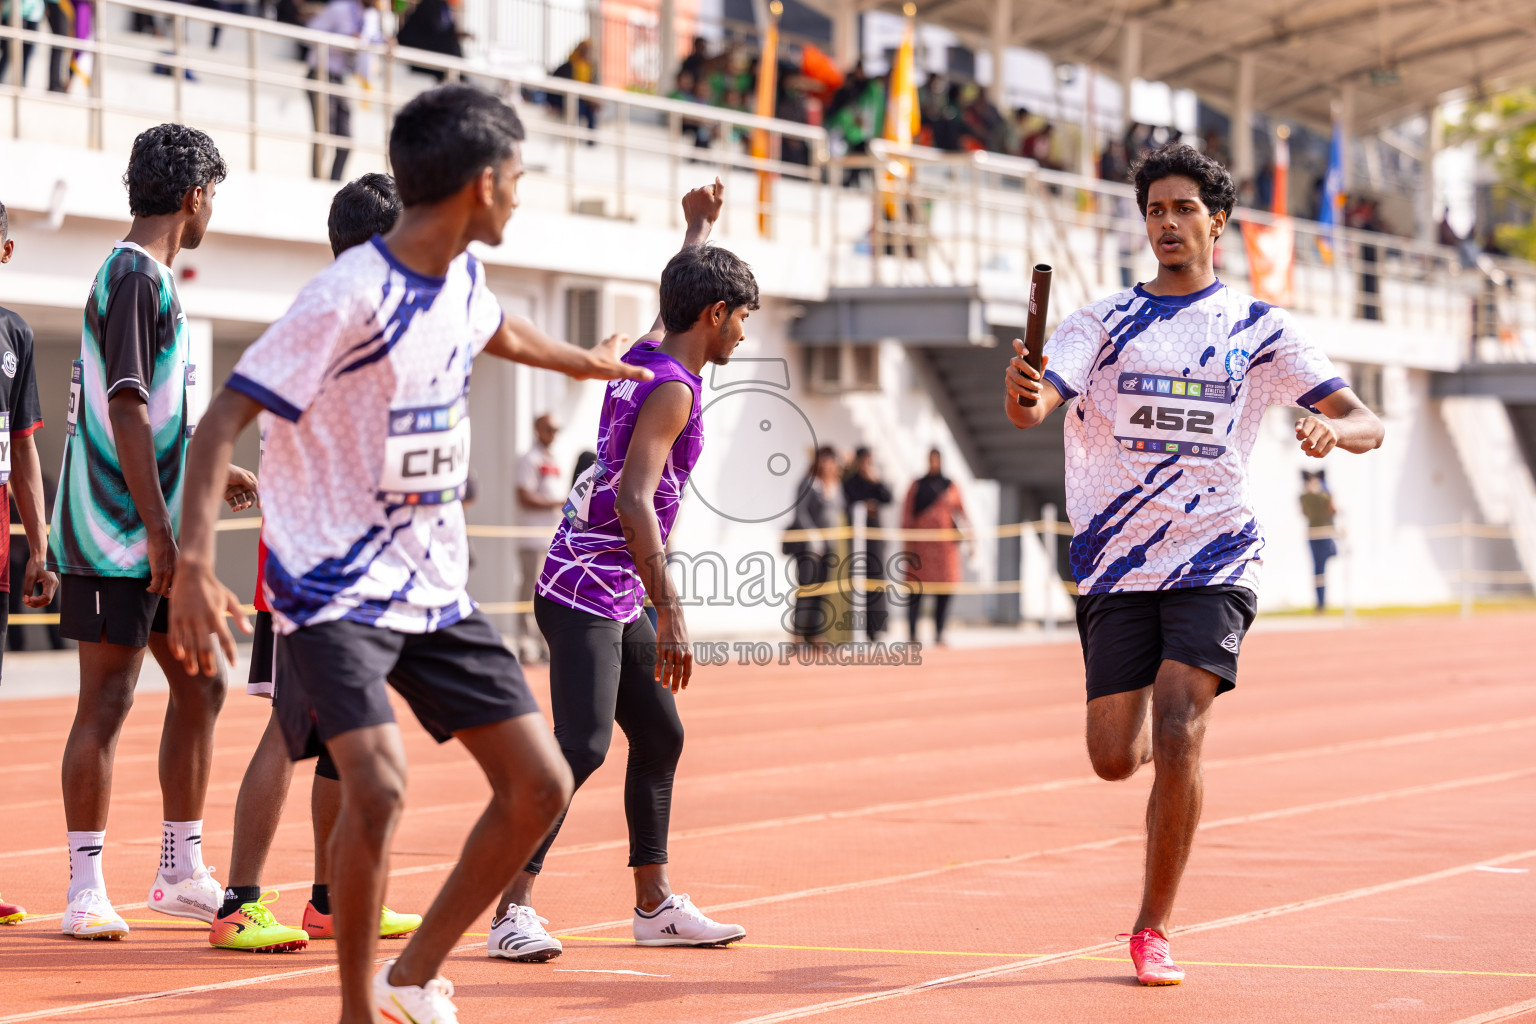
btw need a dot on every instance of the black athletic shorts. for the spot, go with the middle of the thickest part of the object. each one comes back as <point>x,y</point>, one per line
<point>110,609</point>
<point>1126,637</point>
<point>334,674</point>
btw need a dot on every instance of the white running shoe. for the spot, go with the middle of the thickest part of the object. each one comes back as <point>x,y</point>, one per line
<point>198,897</point>
<point>90,916</point>
<point>677,922</point>
<point>520,936</point>
<point>431,1003</point>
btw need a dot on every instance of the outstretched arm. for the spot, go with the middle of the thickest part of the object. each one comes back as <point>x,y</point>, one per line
<point>1346,423</point>
<point>518,341</point>
<point>199,602</point>
<point>660,420</point>
<point>701,208</point>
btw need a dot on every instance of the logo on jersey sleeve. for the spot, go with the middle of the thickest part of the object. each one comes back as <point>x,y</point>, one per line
<point>8,364</point>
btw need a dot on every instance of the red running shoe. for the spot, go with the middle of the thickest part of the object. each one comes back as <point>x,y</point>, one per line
<point>1154,964</point>
<point>10,913</point>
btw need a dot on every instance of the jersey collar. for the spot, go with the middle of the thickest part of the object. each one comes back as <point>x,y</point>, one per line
<point>1180,301</point>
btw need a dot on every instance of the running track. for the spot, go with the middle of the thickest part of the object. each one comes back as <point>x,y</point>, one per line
<point>915,844</point>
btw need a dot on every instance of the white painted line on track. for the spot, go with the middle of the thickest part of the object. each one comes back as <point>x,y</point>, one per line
<point>893,880</point>
<point>1502,1014</point>
<point>1225,922</point>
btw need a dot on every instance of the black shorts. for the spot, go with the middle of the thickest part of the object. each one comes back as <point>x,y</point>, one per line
<point>1126,637</point>
<point>334,676</point>
<point>110,609</point>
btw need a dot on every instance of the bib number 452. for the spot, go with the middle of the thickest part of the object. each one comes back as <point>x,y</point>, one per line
<point>1196,421</point>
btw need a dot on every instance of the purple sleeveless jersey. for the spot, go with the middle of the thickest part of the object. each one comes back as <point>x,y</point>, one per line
<point>589,567</point>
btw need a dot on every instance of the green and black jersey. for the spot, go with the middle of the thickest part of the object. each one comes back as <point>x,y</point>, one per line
<point>134,337</point>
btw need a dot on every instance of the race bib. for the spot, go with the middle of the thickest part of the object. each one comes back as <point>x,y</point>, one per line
<point>426,456</point>
<point>76,375</point>
<point>578,507</point>
<point>5,448</point>
<point>1172,415</point>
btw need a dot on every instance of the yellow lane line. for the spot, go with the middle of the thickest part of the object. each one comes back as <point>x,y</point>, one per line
<point>1110,959</point>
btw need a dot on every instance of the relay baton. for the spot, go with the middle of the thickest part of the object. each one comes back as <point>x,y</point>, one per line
<point>1034,325</point>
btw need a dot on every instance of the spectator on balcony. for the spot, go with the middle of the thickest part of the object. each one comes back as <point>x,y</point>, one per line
<point>988,130</point>
<point>696,63</point>
<point>431,26</point>
<point>344,18</point>
<point>578,67</point>
<point>855,116</point>
<point>31,17</point>
<point>691,89</point>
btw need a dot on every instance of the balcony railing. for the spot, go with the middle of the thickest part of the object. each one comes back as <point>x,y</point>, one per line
<point>975,219</point>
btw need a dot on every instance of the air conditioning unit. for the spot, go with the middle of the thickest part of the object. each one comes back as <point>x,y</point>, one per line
<point>836,369</point>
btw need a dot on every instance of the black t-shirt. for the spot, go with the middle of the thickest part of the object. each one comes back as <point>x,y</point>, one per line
<point>20,413</point>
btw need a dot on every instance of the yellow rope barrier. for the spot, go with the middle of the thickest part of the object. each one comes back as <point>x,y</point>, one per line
<point>836,533</point>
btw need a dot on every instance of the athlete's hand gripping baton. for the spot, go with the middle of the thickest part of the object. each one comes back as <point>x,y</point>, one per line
<point>1034,325</point>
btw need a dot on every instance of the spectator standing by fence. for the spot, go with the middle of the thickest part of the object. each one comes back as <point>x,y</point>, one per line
<point>819,507</point>
<point>31,17</point>
<point>933,503</point>
<point>344,18</point>
<point>1317,505</point>
<point>865,494</point>
<point>431,26</point>
<point>541,493</point>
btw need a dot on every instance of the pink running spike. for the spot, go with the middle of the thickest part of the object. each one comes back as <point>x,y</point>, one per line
<point>1154,964</point>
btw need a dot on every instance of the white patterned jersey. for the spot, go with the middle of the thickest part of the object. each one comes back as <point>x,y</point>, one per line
<point>367,455</point>
<point>1164,398</point>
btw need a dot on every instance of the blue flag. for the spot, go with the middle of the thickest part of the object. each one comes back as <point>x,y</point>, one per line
<point>1332,213</point>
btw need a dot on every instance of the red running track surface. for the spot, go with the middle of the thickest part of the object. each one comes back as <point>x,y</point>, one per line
<point>916,844</point>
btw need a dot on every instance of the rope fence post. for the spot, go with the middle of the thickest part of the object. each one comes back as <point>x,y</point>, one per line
<point>858,600</point>
<point>1466,565</point>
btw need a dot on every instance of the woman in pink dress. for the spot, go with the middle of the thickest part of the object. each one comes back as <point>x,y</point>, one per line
<point>933,503</point>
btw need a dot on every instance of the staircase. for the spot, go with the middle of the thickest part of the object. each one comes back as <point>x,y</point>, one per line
<point>1496,444</point>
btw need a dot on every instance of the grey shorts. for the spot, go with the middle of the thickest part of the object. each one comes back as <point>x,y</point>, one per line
<point>336,677</point>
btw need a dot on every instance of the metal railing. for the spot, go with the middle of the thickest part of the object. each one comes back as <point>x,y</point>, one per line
<point>966,218</point>
<point>924,216</point>
<point>268,111</point>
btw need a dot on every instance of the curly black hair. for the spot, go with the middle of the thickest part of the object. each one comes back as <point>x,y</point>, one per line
<point>445,137</point>
<point>700,276</point>
<point>364,207</point>
<point>167,162</point>
<point>1217,191</point>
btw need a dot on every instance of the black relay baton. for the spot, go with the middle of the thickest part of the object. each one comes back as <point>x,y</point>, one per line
<point>1034,325</point>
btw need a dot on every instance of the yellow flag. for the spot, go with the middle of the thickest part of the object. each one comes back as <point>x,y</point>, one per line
<point>903,117</point>
<point>767,106</point>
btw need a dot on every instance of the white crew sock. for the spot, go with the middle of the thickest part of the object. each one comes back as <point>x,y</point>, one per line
<point>85,862</point>
<point>181,850</point>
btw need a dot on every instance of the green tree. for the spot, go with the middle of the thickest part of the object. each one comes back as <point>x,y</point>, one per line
<point>1504,127</point>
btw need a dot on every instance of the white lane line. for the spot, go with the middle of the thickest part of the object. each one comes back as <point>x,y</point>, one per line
<point>1502,1014</point>
<point>871,883</point>
<point>1351,746</point>
<point>589,970</point>
<point>1243,819</point>
<point>1225,922</point>
<point>1096,844</point>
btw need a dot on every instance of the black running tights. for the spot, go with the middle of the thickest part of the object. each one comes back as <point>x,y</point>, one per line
<point>602,671</point>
